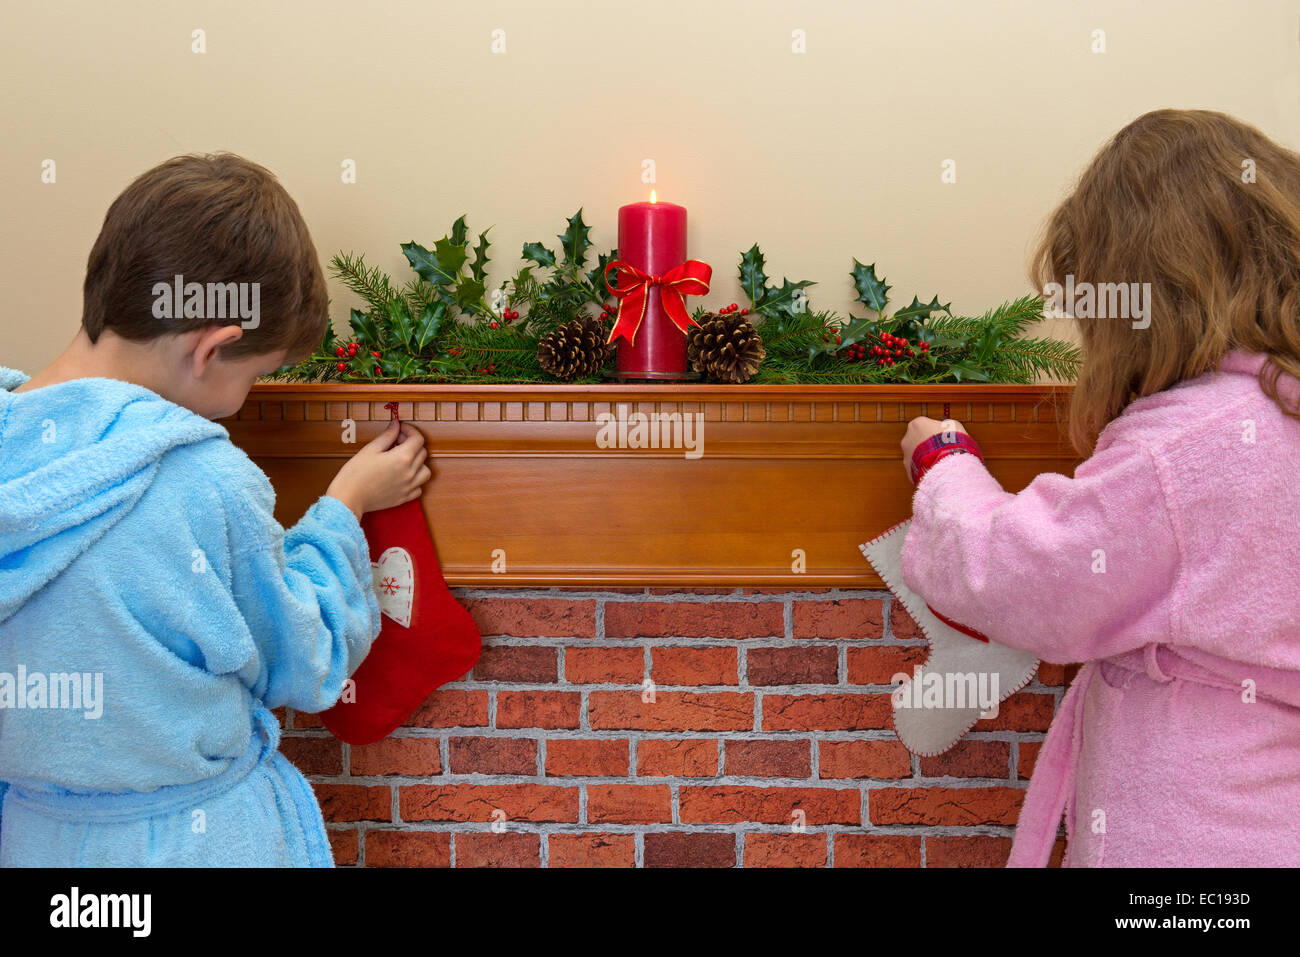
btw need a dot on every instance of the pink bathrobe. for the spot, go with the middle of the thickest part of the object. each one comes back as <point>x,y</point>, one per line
<point>1170,565</point>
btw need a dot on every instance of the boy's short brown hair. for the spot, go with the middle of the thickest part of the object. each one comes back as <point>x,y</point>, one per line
<point>216,218</point>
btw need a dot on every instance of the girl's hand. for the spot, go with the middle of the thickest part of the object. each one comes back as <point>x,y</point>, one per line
<point>387,471</point>
<point>920,429</point>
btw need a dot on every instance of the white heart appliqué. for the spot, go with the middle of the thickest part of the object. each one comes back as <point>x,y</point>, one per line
<point>394,578</point>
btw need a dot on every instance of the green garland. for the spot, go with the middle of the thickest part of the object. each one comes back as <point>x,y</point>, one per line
<point>445,325</point>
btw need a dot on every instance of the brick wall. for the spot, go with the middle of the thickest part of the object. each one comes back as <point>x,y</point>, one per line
<point>766,744</point>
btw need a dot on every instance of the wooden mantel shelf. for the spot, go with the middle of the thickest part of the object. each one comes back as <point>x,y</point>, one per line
<point>520,480</point>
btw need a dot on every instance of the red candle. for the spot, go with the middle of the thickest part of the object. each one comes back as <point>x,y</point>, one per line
<point>652,237</point>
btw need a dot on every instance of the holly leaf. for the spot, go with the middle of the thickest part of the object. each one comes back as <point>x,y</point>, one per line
<point>574,242</point>
<point>430,321</point>
<point>962,371</point>
<point>781,302</point>
<point>468,292</point>
<point>364,327</point>
<point>856,330</point>
<point>536,252</point>
<point>439,267</point>
<point>399,319</point>
<point>451,256</point>
<point>921,310</point>
<point>597,276</point>
<point>460,232</point>
<point>752,278</point>
<point>478,268</point>
<point>872,289</point>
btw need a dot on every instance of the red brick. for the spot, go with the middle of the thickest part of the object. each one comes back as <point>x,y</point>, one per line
<point>960,807</point>
<point>901,623</point>
<point>876,850</point>
<point>690,849</point>
<point>492,755</point>
<point>408,849</point>
<point>624,665</point>
<point>970,759</point>
<point>599,757</point>
<point>485,849</point>
<point>839,618</point>
<point>877,664</point>
<point>477,802</point>
<point>1021,712</point>
<point>301,720</point>
<point>785,850</point>
<point>1027,759</point>
<point>281,715</point>
<point>694,619</point>
<point>591,850</point>
<point>451,708</point>
<point>772,758</point>
<point>961,851</point>
<point>313,755</point>
<point>354,802</point>
<point>671,711</point>
<point>344,845</point>
<point>881,760</point>
<point>695,666</point>
<point>410,756</point>
<point>1058,853</point>
<point>732,804</point>
<point>534,617</point>
<point>792,666</point>
<point>538,709</point>
<point>530,664</point>
<point>629,804</point>
<point>1050,674</point>
<point>826,712</point>
<point>678,758</point>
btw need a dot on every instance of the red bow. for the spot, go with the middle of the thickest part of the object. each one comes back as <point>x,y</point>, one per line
<point>631,287</point>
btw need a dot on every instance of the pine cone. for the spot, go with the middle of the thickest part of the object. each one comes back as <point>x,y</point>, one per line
<point>575,350</point>
<point>724,347</point>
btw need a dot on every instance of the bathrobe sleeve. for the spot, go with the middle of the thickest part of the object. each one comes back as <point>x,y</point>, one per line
<point>1070,569</point>
<point>309,601</point>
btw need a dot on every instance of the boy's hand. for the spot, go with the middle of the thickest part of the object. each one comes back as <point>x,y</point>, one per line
<point>387,471</point>
<point>920,429</point>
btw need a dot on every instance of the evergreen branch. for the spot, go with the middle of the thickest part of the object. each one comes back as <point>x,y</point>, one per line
<point>371,284</point>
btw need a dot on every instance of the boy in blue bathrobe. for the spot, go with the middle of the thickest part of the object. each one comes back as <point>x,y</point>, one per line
<point>152,611</point>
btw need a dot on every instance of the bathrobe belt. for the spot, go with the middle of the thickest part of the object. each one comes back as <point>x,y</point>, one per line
<point>1053,780</point>
<point>106,807</point>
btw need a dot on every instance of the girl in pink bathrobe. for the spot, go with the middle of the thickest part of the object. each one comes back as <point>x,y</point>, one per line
<point>1170,563</point>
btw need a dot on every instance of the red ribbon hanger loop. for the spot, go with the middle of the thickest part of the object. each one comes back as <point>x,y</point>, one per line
<point>631,287</point>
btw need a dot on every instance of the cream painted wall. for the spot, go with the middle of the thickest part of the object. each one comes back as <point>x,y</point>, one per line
<point>818,156</point>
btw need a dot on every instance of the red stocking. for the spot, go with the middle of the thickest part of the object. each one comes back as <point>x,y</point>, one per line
<point>426,640</point>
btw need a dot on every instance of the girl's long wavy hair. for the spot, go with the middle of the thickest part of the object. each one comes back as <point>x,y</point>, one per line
<point>1206,209</point>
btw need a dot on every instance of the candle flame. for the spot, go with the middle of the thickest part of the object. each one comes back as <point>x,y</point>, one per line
<point>652,197</point>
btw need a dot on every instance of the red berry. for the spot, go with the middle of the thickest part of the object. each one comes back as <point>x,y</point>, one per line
<point>339,351</point>
<point>838,339</point>
<point>343,366</point>
<point>911,352</point>
<point>352,348</point>
<point>744,312</point>
<point>925,346</point>
<point>493,323</point>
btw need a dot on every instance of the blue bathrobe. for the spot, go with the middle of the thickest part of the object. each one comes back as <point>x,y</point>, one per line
<point>152,612</point>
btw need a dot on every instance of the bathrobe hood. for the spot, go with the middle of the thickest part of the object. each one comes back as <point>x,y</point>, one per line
<point>75,457</point>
